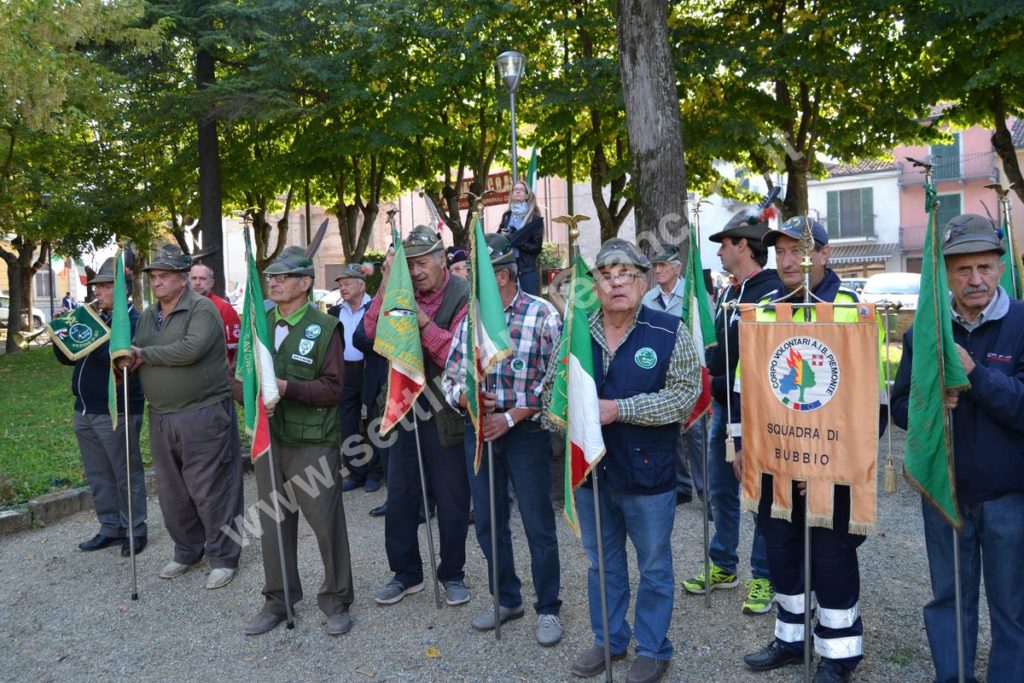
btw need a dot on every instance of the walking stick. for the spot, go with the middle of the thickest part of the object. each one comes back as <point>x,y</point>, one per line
<point>426,509</point>
<point>278,520</point>
<point>494,542</point>
<point>600,579</point>
<point>128,482</point>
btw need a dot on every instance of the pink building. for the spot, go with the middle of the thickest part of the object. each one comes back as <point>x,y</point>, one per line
<point>961,170</point>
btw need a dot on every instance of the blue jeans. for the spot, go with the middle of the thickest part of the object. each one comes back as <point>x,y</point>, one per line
<point>991,544</point>
<point>524,456</point>
<point>647,521</point>
<point>690,458</point>
<point>725,503</point>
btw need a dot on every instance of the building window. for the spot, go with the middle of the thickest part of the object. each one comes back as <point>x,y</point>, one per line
<point>949,208</point>
<point>42,283</point>
<point>851,213</point>
<point>946,160</point>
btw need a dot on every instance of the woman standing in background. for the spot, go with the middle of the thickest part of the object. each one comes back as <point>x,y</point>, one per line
<point>523,225</point>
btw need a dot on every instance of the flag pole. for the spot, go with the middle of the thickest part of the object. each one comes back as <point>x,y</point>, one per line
<point>704,454</point>
<point>807,246</point>
<point>426,508</point>
<point>494,541</point>
<point>957,596</point>
<point>278,520</point>
<point>128,482</point>
<point>601,581</point>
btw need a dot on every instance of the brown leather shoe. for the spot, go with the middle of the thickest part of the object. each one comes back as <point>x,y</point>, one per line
<point>262,623</point>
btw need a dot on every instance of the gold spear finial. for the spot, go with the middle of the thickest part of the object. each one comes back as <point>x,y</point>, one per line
<point>573,223</point>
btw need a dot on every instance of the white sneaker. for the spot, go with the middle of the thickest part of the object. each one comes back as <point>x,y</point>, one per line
<point>220,577</point>
<point>173,570</point>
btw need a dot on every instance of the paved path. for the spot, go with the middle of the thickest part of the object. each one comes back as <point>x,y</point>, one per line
<point>66,614</point>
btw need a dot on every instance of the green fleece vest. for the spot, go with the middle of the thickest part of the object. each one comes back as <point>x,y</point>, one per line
<point>301,357</point>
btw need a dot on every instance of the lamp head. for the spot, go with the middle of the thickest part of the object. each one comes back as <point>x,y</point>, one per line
<point>511,65</point>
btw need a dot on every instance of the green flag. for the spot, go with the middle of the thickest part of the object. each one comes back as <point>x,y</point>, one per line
<point>398,340</point>
<point>1011,280</point>
<point>120,335</point>
<point>531,172</point>
<point>574,401</point>
<point>255,363</point>
<point>487,341</point>
<point>935,368</point>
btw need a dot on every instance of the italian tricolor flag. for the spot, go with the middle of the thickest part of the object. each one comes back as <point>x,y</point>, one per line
<point>574,391</point>
<point>255,365</point>
<point>699,322</point>
<point>488,342</point>
<point>398,340</point>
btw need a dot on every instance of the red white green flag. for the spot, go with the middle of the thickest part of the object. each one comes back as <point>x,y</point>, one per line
<point>488,341</point>
<point>574,391</point>
<point>255,364</point>
<point>699,322</point>
<point>398,340</point>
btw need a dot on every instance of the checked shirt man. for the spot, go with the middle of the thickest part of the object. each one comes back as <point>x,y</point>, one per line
<point>522,448</point>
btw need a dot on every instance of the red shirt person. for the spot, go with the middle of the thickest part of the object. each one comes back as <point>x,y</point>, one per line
<point>201,277</point>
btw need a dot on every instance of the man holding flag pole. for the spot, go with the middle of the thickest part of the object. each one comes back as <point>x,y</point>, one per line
<point>647,379</point>
<point>509,340</point>
<point>412,320</point>
<point>291,383</point>
<point>962,401</point>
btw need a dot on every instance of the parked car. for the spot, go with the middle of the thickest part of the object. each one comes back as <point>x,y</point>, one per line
<point>38,319</point>
<point>855,283</point>
<point>897,287</point>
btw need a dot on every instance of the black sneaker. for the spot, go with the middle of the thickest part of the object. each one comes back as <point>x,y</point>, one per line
<point>771,657</point>
<point>830,671</point>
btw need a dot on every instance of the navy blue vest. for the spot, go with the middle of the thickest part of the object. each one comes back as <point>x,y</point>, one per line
<point>639,460</point>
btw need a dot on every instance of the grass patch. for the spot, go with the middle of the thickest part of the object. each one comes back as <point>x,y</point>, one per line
<point>38,449</point>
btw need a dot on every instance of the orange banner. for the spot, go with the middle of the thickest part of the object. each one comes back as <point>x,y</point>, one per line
<point>810,408</point>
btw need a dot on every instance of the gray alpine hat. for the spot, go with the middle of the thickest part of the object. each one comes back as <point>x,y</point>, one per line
<point>970,233</point>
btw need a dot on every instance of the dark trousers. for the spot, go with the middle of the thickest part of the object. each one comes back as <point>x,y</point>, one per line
<point>199,481</point>
<point>835,578</point>
<point>529,282</point>
<point>446,475</point>
<point>103,457</point>
<point>360,457</point>
<point>524,456</point>
<point>307,479</point>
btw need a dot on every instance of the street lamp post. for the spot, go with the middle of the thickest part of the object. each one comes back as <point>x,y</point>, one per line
<point>510,68</point>
<point>44,200</point>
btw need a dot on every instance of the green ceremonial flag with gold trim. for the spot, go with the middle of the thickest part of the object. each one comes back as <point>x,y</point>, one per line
<point>120,334</point>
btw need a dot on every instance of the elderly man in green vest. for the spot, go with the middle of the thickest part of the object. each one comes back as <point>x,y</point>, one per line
<point>309,365</point>
<point>440,308</point>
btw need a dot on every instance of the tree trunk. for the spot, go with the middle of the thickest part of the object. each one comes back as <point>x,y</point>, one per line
<point>1002,143</point>
<point>209,175</point>
<point>14,303</point>
<point>654,123</point>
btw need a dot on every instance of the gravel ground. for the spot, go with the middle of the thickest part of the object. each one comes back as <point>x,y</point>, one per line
<point>66,614</point>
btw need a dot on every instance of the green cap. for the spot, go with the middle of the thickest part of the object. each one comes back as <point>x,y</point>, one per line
<point>501,252</point>
<point>292,261</point>
<point>351,270</point>
<point>422,240</point>
<point>970,233</point>
<point>617,251</point>
<point>170,257</point>
<point>104,274</point>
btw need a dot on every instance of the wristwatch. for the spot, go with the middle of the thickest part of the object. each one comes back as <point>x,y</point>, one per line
<point>511,422</point>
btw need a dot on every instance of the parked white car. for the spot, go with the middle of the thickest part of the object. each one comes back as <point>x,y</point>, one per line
<point>38,319</point>
<point>900,287</point>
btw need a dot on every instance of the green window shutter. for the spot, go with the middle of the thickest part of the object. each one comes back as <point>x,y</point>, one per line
<point>867,212</point>
<point>832,211</point>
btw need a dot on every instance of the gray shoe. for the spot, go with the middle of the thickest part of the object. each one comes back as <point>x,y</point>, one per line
<point>262,623</point>
<point>549,630</point>
<point>173,570</point>
<point>647,670</point>
<point>395,591</point>
<point>591,662</point>
<point>485,622</point>
<point>339,624</point>
<point>455,592</point>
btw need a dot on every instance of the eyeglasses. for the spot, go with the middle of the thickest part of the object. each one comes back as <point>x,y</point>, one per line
<point>281,277</point>
<point>619,278</point>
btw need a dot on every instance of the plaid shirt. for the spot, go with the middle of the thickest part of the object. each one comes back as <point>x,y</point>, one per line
<point>675,401</point>
<point>534,326</point>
